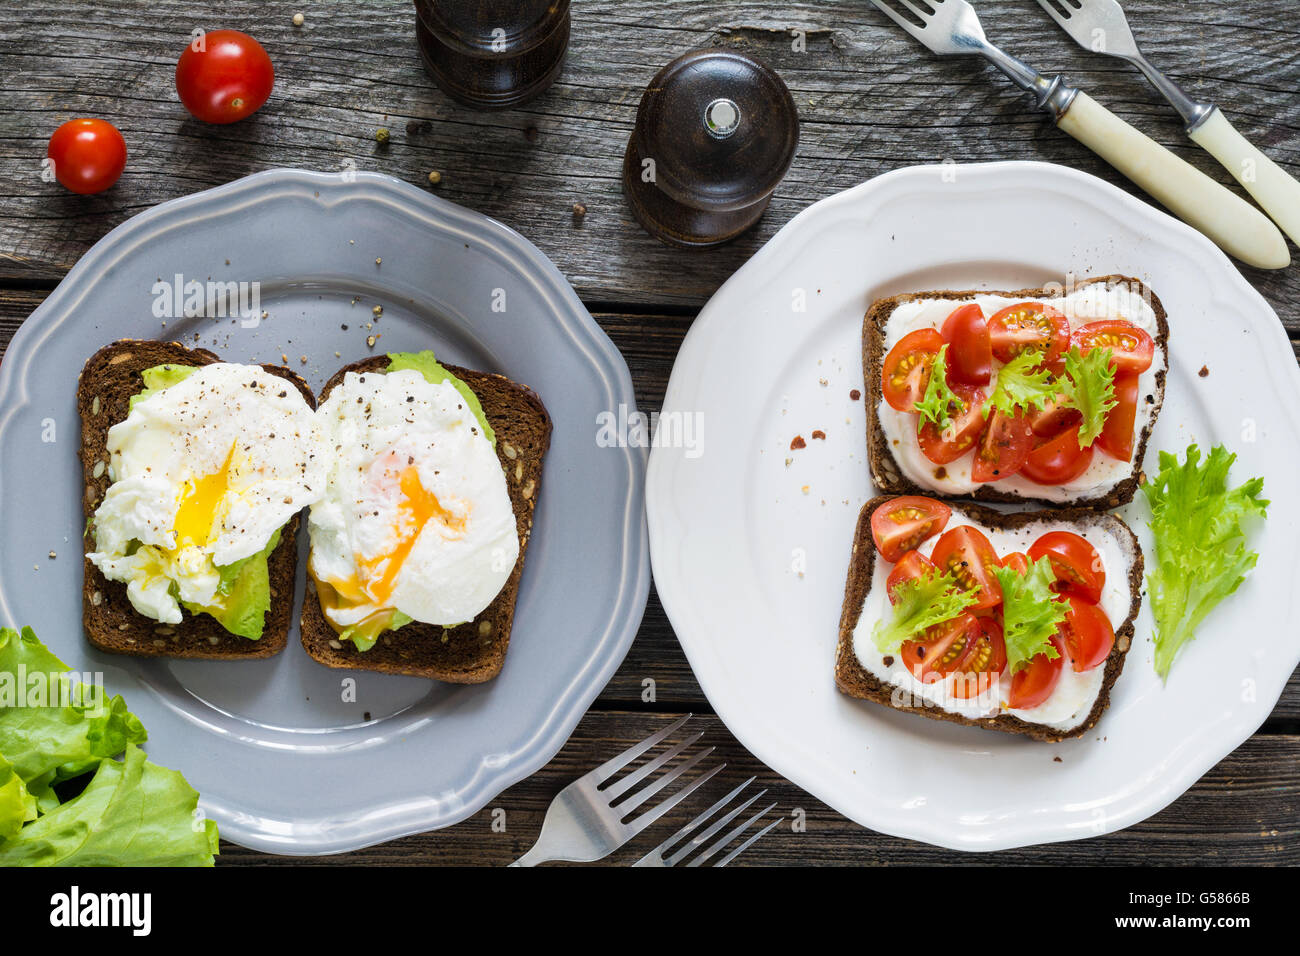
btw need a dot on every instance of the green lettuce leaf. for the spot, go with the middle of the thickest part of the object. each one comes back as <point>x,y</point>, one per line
<point>921,603</point>
<point>17,806</point>
<point>47,744</point>
<point>1022,385</point>
<point>245,592</point>
<point>1201,554</point>
<point>1089,386</point>
<point>939,402</point>
<point>1030,612</point>
<point>132,813</point>
<point>433,371</point>
<point>160,377</point>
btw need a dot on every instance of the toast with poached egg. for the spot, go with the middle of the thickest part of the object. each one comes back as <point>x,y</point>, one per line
<point>419,544</point>
<point>168,498</point>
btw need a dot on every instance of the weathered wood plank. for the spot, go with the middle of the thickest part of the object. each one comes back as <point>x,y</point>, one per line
<point>649,343</point>
<point>871,101</point>
<point>1245,811</point>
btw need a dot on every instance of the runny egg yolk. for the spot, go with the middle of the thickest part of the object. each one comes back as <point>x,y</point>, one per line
<point>200,501</point>
<point>416,508</point>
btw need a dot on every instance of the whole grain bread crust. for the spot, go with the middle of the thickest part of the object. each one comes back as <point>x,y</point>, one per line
<point>474,652</point>
<point>856,681</point>
<point>885,469</point>
<point>104,390</point>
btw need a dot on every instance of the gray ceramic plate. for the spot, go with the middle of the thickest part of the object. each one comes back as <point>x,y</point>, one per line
<point>285,758</point>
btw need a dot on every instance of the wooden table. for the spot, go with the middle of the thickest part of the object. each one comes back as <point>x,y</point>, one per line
<point>871,100</point>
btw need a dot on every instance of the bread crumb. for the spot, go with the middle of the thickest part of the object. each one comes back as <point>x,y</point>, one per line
<point>819,435</point>
<point>804,489</point>
<point>798,443</point>
<point>854,395</point>
<point>1205,370</point>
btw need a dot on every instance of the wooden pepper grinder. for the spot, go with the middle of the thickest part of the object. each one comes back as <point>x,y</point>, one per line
<point>715,134</point>
<point>492,54</point>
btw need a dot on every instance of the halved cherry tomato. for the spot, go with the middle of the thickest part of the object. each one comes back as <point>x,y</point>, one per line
<point>901,524</point>
<point>970,357</point>
<point>1131,348</point>
<point>1016,561</point>
<point>1116,438</point>
<point>967,555</point>
<point>1087,634</point>
<point>1078,565</point>
<point>983,662</point>
<point>939,651</point>
<point>909,567</point>
<point>907,367</point>
<point>1058,460</point>
<point>1054,419</point>
<point>88,155</point>
<point>959,437</point>
<point>1029,325</point>
<point>1003,447</point>
<point>224,76</point>
<point>1034,683</point>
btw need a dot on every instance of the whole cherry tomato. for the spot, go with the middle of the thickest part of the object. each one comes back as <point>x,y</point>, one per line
<point>88,155</point>
<point>224,76</point>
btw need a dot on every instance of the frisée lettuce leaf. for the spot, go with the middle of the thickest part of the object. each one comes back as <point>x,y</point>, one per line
<point>1201,555</point>
<point>1030,612</point>
<point>920,604</point>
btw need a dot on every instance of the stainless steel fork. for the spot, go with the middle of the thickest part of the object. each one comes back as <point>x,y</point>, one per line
<point>1100,26</point>
<point>673,850</point>
<point>951,27</point>
<point>588,820</point>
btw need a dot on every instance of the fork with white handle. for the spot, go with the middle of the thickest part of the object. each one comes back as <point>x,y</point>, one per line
<point>587,820</point>
<point>661,855</point>
<point>1100,26</point>
<point>951,27</point>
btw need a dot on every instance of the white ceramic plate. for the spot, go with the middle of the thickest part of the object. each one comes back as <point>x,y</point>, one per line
<point>288,757</point>
<point>730,521</point>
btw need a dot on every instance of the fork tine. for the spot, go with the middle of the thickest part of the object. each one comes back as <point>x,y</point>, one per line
<point>614,764</point>
<point>650,816</point>
<point>664,779</point>
<point>1056,10</point>
<point>713,829</point>
<point>750,842</point>
<point>901,20</point>
<point>708,854</point>
<point>672,840</point>
<point>632,779</point>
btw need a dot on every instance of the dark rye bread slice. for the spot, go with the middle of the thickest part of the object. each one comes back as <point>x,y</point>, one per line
<point>885,469</point>
<point>104,390</point>
<point>473,652</point>
<point>856,681</point>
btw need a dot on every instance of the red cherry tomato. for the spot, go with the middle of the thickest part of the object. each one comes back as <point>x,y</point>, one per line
<point>1034,683</point>
<point>909,567</point>
<point>967,554</point>
<point>901,524</point>
<point>939,651</point>
<point>1029,326</point>
<point>1087,634</point>
<point>970,357</point>
<point>1016,561</point>
<point>88,155</point>
<point>943,447</point>
<point>1003,447</point>
<point>1077,564</point>
<point>985,660</point>
<point>227,79</point>
<point>1058,460</point>
<point>1054,419</point>
<point>907,367</point>
<point>1131,348</point>
<point>1116,438</point>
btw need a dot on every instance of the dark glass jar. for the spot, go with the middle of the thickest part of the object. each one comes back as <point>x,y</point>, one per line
<point>492,54</point>
<point>715,134</point>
